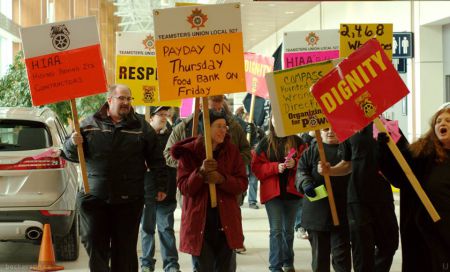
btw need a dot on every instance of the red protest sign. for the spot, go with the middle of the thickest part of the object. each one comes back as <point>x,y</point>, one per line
<point>256,67</point>
<point>63,60</point>
<point>359,89</point>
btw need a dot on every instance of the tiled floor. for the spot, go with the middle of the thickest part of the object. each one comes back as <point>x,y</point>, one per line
<point>19,257</point>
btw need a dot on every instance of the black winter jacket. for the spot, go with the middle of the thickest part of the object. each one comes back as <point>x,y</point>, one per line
<point>117,156</point>
<point>151,187</point>
<point>316,215</point>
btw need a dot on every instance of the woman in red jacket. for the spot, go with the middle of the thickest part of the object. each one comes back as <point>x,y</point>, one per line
<point>282,200</point>
<point>211,234</point>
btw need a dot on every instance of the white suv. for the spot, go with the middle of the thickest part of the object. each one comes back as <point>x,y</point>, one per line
<point>37,186</point>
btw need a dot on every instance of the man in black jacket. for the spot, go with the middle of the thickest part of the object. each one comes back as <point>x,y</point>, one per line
<point>370,204</point>
<point>118,145</point>
<point>158,211</point>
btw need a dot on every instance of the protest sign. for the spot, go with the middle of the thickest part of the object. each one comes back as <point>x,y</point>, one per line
<point>306,47</point>
<point>356,92</point>
<point>293,106</point>
<point>359,89</point>
<point>63,60</point>
<point>136,68</point>
<point>256,66</point>
<point>199,51</point>
<point>353,36</point>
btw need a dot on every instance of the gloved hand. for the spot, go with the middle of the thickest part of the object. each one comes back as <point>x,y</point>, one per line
<point>309,190</point>
<point>382,138</point>
<point>250,128</point>
<point>208,166</point>
<point>214,177</point>
<point>260,133</point>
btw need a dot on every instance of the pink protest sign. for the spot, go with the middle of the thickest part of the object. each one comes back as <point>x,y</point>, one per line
<point>256,67</point>
<point>186,107</point>
<point>295,59</point>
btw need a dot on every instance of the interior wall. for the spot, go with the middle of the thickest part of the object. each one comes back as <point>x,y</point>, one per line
<point>446,55</point>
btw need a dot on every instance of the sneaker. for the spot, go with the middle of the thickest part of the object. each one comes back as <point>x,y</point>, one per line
<point>302,233</point>
<point>253,206</point>
<point>240,250</point>
<point>288,269</point>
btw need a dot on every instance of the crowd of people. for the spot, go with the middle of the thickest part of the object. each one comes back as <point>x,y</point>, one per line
<point>135,167</point>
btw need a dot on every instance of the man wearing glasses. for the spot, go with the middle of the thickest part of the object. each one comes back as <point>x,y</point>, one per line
<point>119,146</point>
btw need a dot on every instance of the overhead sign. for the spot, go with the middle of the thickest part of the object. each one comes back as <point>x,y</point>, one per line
<point>359,89</point>
<point>354,36</point>
<point>136,68</point>
<point>63,60</point>
<point>293,106</point>
<point>199,51</point>
<point>403,45</point>
<point>306,47</point>
<point>256,67</point>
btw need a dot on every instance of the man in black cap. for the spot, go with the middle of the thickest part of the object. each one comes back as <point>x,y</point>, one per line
<point>159,206</point>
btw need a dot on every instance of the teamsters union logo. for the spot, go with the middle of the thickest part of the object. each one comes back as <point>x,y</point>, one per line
<point>197,19</point>
<point>366,104</point>
<point>60,37</point>
<point>149,43</point>
<point>149,93</point>
<point>312,38</point>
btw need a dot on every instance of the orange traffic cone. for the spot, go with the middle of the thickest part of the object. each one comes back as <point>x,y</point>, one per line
<point>46,255</point>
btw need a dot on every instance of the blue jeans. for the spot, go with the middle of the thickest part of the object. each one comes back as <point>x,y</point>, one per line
<point>159,214</point>
<point>281,215</point>
<point>298,216</point>
<point>252,187</point>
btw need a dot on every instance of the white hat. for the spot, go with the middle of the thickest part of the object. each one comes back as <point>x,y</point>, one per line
<point>446,105</point>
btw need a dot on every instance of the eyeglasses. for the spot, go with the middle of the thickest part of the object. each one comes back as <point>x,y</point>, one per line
<point>124,98</point>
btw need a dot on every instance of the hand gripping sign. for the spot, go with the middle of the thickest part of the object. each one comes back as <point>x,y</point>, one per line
<point>357,91</point>
<point>295,109</point>
<point>64,61</point>
<point>199,53</point>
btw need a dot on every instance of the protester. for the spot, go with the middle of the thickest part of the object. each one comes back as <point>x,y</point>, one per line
<point>211,234</point>
<point>118,146</point>
<point>158,212</point>
<point>277,176</point>
<point>370,204</point>
<point>427,244</point>
<point>325,238</point>
<point>238,137</point>
<point>307,138</point>
<point>184,130</point>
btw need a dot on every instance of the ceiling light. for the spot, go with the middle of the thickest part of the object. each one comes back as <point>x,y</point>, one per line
<point>289,12</point>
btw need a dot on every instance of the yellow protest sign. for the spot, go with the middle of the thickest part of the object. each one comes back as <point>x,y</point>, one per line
<point>136,68</point>
<point>201,66</point>
<point>199,51</point>
<point>293,106</point>
<point>353,36</point>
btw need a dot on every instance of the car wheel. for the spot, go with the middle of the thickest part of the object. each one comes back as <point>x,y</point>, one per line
<point>67,247</point>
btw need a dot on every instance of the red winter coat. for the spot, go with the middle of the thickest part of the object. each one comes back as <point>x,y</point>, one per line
<point>190,154</point>
<point>267,173</point>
